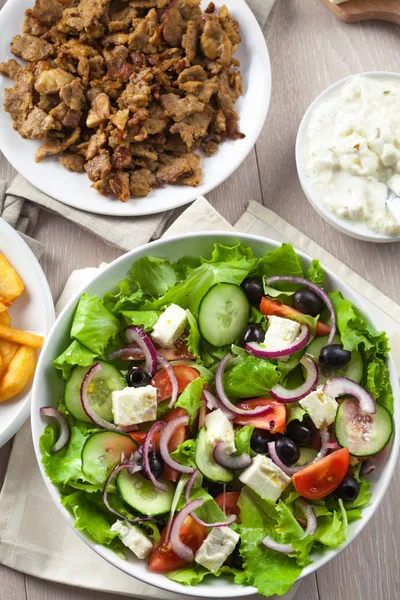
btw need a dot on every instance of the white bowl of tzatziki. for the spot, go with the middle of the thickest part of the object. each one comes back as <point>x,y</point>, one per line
<point>348,155</point>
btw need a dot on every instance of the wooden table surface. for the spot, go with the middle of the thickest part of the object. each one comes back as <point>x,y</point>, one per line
<point>309,50</point>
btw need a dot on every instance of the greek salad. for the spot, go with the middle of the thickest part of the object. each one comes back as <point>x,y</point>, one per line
<point>220,415</point>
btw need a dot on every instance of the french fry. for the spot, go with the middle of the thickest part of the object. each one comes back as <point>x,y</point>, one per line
<point>7,353</point>
<point>21,337</point>
<point>5,319</point>
<point>11,284</point>
<point>3,308</point>
<point>18,374</point>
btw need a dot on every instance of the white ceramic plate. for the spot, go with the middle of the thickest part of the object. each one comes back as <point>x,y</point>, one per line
<point>33,311</point>
<point>359,231</point>
<point>74,188</point>
<point>48,387</point>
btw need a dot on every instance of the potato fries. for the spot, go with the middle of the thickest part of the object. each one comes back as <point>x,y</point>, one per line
<point>17,347</point>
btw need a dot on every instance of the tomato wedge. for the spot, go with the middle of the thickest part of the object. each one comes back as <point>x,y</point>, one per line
<point>228,503</point>
<point>276,307</point>
<point>323,477</point>
<point>179,436</point>
<point>161,381</point>
<point>274,421</point>
<point>164,559</point>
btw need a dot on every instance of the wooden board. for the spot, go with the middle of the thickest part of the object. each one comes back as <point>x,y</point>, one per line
<point>366,10</point>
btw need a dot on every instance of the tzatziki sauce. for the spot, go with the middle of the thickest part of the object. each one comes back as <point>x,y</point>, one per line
<point>351,152</point>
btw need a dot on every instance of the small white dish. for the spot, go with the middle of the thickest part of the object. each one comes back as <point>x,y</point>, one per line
<point>33,311</point>
<point>47,388</point>
<point>356,230</point>
<point>74,189</point>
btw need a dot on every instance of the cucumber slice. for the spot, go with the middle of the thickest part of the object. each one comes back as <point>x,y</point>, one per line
<point>139,494</point>
<point>206,463</point>
<point>353,370</point>
<point>363,434</point>
<point>103,451</point>
<point>306,456</point>
<point>223,314</point>
<point>103,384</point>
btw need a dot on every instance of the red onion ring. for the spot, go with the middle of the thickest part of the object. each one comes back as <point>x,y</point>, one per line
<point>165,437</point>
<point>213,403</point>
<point>262,352</point>
<point>333,446</point>
<point>311,528</point>
<point>336,386</point>
<point>219,384</point>
<point>63,427</point>
<point>129,352</point>
<point>292,470</point>
<point>367,467</point>
<point>180,549</point>
<point>283,395</point>
<point>157,426</point>
<point>95,418</point>
<point>132,469</point>
<point>231,519</point>
<point>172,377</point>
<point>228,461</point>
<point>317,290</point>
<point>138,335</point>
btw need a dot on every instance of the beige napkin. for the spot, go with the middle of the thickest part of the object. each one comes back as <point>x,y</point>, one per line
<point>27,543</point>
<point>21,204</point>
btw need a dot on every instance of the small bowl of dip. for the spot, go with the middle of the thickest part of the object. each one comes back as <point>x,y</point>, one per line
<point>348,155</point>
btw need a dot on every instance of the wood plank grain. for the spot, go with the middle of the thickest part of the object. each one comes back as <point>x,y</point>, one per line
<point>12,584</point>
<point>365,10</point>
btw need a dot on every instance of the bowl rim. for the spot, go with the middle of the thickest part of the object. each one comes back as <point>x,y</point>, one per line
<point>343,225</point>
<point>232,590</point>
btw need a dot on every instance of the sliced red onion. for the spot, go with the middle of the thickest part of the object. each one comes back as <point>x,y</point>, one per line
<point>337,386</point>
<point>262,352</point>
<point>316,289</point>
<point>63,431</point>
<point>283,395</point>
<point>180,549</point>
<point>311,528</point>
<point>138,335</point>
<point>94,417</point>
<point>129,352</point>
<point>219,384</point>
<point>231,519</point>
<point>292,470</point>
<point>367,467</point>
<point>132,469</point>
<point>224,458</point>
<point>177,494</point>
<point>332,446</point>
<point>213,403</point>
<point>166,435</point>
<point>157,426</point>
<point>172,377</point>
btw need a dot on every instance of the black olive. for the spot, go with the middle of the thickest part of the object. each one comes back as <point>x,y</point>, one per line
<point>287,451</point>
<point>334,357</point>
<point>301,432</point>
<point>252,333</point>
<point>348,490</point>
<point>260,439</point>
<point>237,560</point>
<point>156,464</point>
<point>137,377</point>
<point>308,302</point>
<point>253,289</point>
<point>215,489</point>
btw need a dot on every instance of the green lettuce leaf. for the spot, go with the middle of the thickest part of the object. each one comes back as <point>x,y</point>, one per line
<point>184,454</point>
<point>294,412</point>
<point>153,275</point>
<point>75,355</point>
<point>191,398</point>
<point>332,529</point>
<point>127,297</point>
<point>93,324</point>
<point>251,377</point>
<point>315,272</point>
<point>357,334</point>
<point>194,574</point>
<point>282,261</point>
<point>193,339</point>
<point>144,318</point>
<point>242,439</point>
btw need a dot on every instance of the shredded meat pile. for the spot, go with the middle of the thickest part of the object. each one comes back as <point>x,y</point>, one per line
<point>126,90</point>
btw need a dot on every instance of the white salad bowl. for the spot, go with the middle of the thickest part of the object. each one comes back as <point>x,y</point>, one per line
<point>47,390</point>
<point>356,230</point>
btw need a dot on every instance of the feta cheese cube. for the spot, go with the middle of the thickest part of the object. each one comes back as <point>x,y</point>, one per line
<point>321,408</point>
<point>265,478</point>
<point>280,333</point>
<point>216,548</point>
<point>134,405</point>
<point>133,538</point>
<point>219,429</point>
<point>170,325</point>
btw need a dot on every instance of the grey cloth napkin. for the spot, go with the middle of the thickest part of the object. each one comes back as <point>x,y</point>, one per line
<point>20,204</point>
